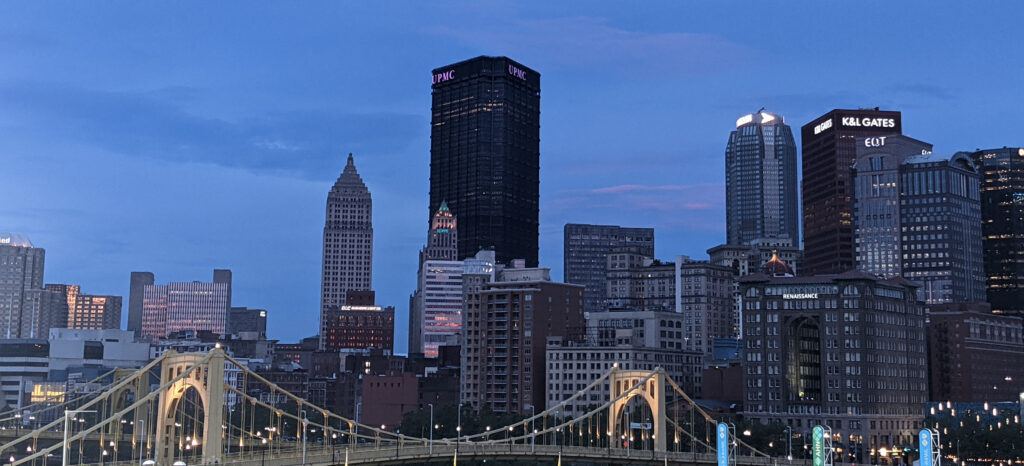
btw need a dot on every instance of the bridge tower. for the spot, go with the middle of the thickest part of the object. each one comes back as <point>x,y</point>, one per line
<point>652,392</point>
<point>208,380</point>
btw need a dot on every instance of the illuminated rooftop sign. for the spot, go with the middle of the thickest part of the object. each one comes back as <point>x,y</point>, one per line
<point>823,126</point>
<point>868,122</point>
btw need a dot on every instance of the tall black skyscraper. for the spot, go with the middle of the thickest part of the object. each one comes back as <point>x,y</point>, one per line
<point>829,151</point>
<point>1002,226</point>
<point>485,154</point>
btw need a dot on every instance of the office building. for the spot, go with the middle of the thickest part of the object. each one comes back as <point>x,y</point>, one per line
<point>359,327</point>
<point>139,280</point>
<point>21,270</point>
<point>348,245</point>
<point>974,355</point>
<point>180,306</point>
<point>639,282</point>
<point>94,312</point>
<point>749,258</point>
<point>485,154</point>
<point>760,180</point>
<point>435,308</point>
<point>846,350</point>
<point>507,322</point>
<point>1002,215</point>
<point>247,320</point>
<point>940,230</point>
<point>585,256</point>
<point>828,152</point>
<point>876,211</point>
<point>43,310</point>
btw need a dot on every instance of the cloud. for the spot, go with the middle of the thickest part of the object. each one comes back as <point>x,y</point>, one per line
<point>634,188</point>
<point>588,41</point>
<point>929,91</point>
<point>154,124</point>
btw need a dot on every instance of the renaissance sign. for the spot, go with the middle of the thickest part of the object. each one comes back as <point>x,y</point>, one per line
<point>800,296</point>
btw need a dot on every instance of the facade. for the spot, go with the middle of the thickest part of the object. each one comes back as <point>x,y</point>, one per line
<point>21,270</point>
<point>585,256</point>
<point>507,324</point>
<point>23,363</point>
<point>180,306</point>
<point>1002,214</point>
<point>877,206</point>
<point>485,154</point>
<point>974,355</point>
<point>247,320</point>
<point>846,350</point>
<point>359,327</point>
<point>435,308</point>
<point>940,214</point>
<point>44,310</point>
<point>572,366</point>
<point>93,312</point>
<point>747,259</point>
<point>635,281</point>
<point>828,152</point>
<point>139,280</point>
<point>760,180</point>
<point>348,246</point>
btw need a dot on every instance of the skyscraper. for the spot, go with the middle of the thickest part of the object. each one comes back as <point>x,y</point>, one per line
<point>186,306</point>
<point>585,256</point>
<point>760,180</point>
<point>940,228</point>
<point>485,155</point>
<point>876,207</point>
<point>435,308</point>
<point>828,152</point>
<point>348,244</point>
<point>94,312</point>
<point>21,270</point>
<point>139,281</point>
<point>1002,217</point>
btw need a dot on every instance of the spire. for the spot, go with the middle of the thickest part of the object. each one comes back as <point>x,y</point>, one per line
<point>349,177</point>
<point>444,207</point>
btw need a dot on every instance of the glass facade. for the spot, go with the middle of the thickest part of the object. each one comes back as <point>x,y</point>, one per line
<point>760,180</point>
<point>1002,213</point>
<point>485,155</point>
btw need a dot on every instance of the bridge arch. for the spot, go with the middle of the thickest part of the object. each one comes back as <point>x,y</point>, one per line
<point>207,379</point>
<point>626,384</point>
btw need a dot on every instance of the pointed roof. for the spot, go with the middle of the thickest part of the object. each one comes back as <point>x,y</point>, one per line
<point>776,267</point>
<point>349,178</point>
<point>444,207</point>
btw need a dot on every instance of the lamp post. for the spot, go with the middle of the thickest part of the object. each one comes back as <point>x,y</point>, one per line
<point>458,430</point>
<point>533,426</point>
<point>142,441</point>
<point>789,443</point>
<point>430,445</point>
<point>305,424</point>
<point>67,427</point>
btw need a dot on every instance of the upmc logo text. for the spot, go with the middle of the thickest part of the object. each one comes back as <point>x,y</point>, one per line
<point>444,76</point>
<point>519,73</point>
<point>868,122</point>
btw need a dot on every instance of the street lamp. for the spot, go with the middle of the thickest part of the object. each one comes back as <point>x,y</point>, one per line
<point>67,427</point>
<point>458,430</point>
<point>789,443</point>
<point>305,424</point>
<point>430,445</point>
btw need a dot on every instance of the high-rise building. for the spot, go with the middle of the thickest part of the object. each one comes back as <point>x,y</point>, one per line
<point>1002,216</point>
<point>974,355</point>
<point>435,308</point>
<point>876,207</point>
<point>44,310</point>
<point>21,270</point>
<point>485,155</point>
<point>585,256</point>
<point>745,259</point>
<point>95,312</point>
<point>506,326</point>
<point>139,281</point>
<point>247,320</point>
<point>760,180</point>
<point>828,152</point>
<point>183,306</point>
<point>348,245</point>
<point>359,327</point>
<point>940,228</point>
<point>846,350</point>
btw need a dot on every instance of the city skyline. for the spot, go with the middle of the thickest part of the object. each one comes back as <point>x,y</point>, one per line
<point>634,155</point>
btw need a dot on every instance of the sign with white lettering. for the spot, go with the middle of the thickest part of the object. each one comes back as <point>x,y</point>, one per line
<point>823,126</point>
<point>722,437</point>
<point>874,142</point>
<point>800,296</point>
<point>868,122</point>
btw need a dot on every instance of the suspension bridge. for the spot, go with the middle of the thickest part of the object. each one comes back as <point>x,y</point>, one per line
<point>181,410</point>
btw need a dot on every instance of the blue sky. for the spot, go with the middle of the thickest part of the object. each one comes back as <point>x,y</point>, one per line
<point>176,137</point>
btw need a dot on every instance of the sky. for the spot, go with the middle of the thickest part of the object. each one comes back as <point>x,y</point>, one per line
<point>178,137</point>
